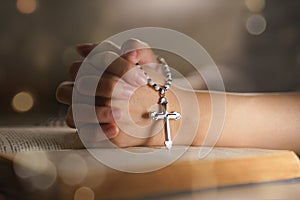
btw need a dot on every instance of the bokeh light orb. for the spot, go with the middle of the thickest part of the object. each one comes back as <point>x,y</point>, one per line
<point>255,5</point>
<point>256,24</point>
<point>22,102</point>
<point>84,193</point>
<point>26,6</point>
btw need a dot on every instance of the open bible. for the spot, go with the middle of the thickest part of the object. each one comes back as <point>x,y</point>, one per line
<point>52,163</point>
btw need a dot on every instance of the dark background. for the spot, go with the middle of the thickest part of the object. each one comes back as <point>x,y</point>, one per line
<point>37,48</point>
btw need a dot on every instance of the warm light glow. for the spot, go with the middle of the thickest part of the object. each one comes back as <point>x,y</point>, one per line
<point>256,24</point>
<point>46,179</point>
<point>28,165</point>
<point>72,169</point>
<point>22,102</point>
<point>26,6</point>
<point>84,193</point>
<point>255,5</point>
<point>36,168</point>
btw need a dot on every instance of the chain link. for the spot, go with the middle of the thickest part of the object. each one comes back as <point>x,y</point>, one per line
<point>167,74</point>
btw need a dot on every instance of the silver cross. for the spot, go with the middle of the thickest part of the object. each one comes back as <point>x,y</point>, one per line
<point>165,115</point>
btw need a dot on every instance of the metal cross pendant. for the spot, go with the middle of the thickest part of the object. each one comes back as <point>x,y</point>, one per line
<point>166,116</point>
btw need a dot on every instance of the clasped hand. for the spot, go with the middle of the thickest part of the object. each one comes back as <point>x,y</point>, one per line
<point>131,83</point>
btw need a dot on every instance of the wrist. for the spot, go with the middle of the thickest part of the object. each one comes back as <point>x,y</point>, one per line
<point>195,110</point>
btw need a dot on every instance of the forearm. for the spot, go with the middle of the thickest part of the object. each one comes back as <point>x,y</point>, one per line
<point>263,121</point>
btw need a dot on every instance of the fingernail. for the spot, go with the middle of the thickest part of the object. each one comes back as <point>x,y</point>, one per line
<point>111,132</point>
<point>141,78</point>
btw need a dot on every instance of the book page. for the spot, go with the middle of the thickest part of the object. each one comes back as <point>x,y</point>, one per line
<point>13,140</point>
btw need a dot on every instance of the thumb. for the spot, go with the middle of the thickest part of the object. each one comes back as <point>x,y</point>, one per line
<point>136,51</point>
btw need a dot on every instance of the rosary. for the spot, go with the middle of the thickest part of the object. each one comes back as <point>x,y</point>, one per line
<point>164,114</point>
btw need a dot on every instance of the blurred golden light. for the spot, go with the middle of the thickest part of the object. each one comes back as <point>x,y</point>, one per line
<point>36,168</point>
<point>26,6</point>
<point>22,102</point>
<point>46,178</point>
<point>256,24</point>
<point>84,193</point>
<point>28,165</point>
<point>255,5</point>
<point>72,169</point>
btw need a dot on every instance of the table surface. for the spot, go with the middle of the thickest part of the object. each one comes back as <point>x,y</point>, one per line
<point>289,189</point>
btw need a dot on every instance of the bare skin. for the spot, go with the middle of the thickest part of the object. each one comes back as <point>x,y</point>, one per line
<point>251,120</point>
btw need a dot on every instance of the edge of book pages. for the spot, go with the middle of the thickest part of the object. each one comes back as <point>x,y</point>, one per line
<point>70,169</point>
<point>224,167</point>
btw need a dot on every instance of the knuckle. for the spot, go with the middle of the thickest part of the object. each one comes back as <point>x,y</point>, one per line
<point>132,44</point>
<point>108,57</point>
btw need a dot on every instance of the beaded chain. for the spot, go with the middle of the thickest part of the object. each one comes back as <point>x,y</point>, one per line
<point>163,114</point>
<point>167,74</point>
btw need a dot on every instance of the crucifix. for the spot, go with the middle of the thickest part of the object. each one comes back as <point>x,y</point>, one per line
<point>166,116</point>
<point>163,114</point>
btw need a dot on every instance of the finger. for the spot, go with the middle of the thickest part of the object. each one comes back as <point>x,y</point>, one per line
<point>69,118</point>
<point>102,101</point>
<point>112,63</point>
<point>110,130</point>
<point>73,70</point>
<point>129,72</point>
<point>92,134</point>
<point>93,130</point>
<point>64,92</point>
<point>136,51</point>
<point>86,69</point>
<point>109,86</point>
<point>91,100</point>
<point>104,113</point>
<point>80,69</point>
<point>94,114</point>
<point>85,49</point>
<point>107,46</point>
